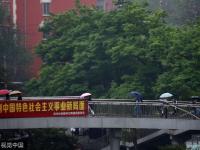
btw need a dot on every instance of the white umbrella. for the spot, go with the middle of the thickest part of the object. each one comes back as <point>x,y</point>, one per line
<point>14,92</point>
<point>166,95</point>
<point>85,95</point>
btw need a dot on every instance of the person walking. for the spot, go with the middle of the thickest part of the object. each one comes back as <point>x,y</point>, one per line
<point>16,93</point>
<point>194,108</point>
<point>164,98</point>
<point>88,97</point>
<point>139,99</point>
<point>175,102</point>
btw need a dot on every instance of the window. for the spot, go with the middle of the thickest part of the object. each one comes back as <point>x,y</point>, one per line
<point>45,9</point>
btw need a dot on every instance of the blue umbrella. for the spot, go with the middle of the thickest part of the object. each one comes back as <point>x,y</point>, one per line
<point>137,95</point>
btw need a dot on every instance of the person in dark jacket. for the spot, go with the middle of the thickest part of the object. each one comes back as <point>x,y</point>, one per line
<point>139,99</point>
<point>195,110</point>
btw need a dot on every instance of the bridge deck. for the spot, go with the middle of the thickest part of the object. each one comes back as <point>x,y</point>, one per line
<point>99,122</point>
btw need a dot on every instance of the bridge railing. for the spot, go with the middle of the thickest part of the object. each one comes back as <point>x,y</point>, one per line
<point>145,109</point>
<point>129,108</point>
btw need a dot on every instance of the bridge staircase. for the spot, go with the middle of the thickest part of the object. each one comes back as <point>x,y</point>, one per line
<point>144,136</point>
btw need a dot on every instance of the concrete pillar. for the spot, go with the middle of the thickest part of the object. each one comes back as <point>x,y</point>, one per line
<point>115,135</point>
<point>115,144</point>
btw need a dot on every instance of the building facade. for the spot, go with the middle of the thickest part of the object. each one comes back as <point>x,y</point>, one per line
<point>28,15</point>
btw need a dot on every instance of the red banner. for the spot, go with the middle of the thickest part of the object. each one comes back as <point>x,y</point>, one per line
<point>43,108</point>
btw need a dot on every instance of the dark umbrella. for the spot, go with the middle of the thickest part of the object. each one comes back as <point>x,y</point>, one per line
<point>137,95</point>
<point>4,92</point>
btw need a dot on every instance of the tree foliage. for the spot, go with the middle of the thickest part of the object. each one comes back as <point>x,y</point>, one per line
<point>41,139</point>
<point>110,54</point>
<point>50,139</point>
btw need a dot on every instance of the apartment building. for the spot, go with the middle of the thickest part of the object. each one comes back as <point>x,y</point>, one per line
<point>28,15</point>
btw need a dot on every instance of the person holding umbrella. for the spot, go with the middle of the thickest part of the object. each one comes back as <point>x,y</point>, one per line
<point>5,92</point>
<point>138,98</point>
<point>88,96</point>
<point>16,93</point>
<point>175,102</point>
<point>137,95</point>
<point>194,99</point>
<point>164,98</point>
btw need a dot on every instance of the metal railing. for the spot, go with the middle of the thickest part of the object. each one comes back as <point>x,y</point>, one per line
<point>130,108</point>
<point>153,109</point>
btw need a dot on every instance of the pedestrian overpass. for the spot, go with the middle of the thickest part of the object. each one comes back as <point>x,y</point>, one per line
<point>118,113</point>
<point>115,114</point>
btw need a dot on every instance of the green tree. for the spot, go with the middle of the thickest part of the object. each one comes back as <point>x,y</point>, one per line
<point>41,139</point>
<point>181,73</point>
<point>90,50</point>
<point>50,139</point>
<point>111,54</point>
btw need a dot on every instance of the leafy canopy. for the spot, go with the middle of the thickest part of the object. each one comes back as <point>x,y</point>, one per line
<point>111,54</point>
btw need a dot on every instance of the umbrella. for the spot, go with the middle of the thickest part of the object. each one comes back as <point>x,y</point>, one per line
<point>166,95</point>
<point>4,92</point>
<point>85,94</point>
<point>15,92</point>
<point>137,95</point>
<point>195,97</point>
